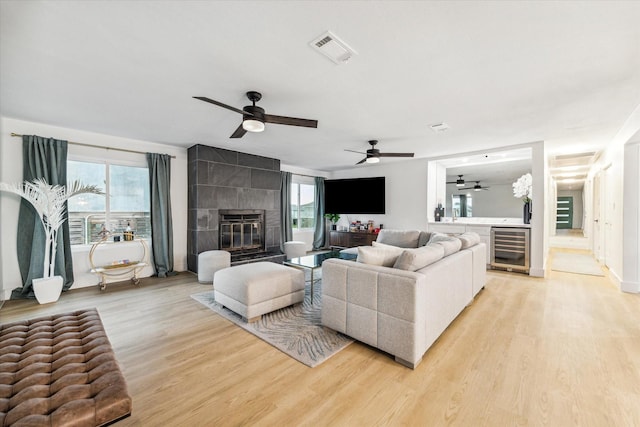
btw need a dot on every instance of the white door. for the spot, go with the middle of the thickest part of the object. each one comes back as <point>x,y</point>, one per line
<point>607,216</point>
<point>597,236</point>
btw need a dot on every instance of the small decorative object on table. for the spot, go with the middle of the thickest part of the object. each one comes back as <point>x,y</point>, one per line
<point>334,218</point>
<point>439,212</point>
<point>522,190</point>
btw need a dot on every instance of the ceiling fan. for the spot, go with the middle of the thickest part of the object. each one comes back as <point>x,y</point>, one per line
<point>254,117</point>
<point>373,154</point>
<point>458,182</point>
<point>476,187</point>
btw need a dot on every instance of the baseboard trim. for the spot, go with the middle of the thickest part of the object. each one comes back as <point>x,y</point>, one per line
<point>630,287</point>
<point>536,272</point>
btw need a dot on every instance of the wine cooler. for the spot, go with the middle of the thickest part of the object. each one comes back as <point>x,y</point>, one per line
<point>510,249</point>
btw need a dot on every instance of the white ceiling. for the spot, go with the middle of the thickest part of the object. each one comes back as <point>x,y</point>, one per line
<point>498,73</point>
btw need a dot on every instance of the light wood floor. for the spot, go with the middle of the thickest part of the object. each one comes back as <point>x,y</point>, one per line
<point>559,351</point>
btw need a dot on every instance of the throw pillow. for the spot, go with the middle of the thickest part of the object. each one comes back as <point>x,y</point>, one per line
<point>449,243</point>
<point>424,238</point>
<point>384,256</point>
<point>400,238</point>
<point>469,239</point>
<point>384,245</point>
<point>415,259</point>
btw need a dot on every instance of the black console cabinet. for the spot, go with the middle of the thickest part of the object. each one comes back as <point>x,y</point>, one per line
<point>349,239</point>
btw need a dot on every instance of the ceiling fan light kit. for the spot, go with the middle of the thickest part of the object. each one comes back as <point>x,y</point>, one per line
<point>254,117</point>
<point>252,125</point>
<point>373,154</point>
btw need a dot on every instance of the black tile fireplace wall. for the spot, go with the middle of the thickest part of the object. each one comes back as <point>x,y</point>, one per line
<point>225,179</point>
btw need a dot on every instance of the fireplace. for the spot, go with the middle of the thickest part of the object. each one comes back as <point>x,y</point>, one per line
<point>241,231</point>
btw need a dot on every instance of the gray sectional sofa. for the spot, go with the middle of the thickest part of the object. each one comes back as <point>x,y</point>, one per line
<point>389,300</point>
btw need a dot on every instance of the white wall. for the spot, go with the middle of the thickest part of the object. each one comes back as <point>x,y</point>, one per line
<point>631,218</point>
<point>11,171</point>
<point>405,193</point>
<point>617,196</point>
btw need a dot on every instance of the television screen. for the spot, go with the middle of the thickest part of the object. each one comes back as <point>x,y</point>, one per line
<point>354,196</point>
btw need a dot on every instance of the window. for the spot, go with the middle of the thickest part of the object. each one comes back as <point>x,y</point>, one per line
<point>303,207</point>
<point>462,205</point>
<point>125,203</point>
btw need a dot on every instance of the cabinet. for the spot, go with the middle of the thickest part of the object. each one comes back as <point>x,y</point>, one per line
<point>349,239</point>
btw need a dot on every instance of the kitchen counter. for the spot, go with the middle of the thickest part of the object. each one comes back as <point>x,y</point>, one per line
<point>491,222</point>
<point>482,226</point>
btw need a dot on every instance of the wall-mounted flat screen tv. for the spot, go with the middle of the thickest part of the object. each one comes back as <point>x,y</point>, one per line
<point>354,196</point>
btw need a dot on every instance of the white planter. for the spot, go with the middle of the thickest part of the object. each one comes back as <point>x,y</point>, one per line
<point>48,289</point>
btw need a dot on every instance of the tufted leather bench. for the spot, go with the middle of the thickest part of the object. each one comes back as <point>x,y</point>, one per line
<point>60,371</point>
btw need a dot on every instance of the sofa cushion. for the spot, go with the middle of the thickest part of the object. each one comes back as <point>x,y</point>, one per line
<point>400,238</point>
<point>415,259</point>
<point>469,239</point>
<point>449,243</point>
<point>384,255</point>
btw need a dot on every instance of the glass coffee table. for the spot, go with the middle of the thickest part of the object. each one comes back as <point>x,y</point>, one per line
<point>313,262</point>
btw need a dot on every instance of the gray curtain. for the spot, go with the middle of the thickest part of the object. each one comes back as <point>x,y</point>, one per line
<point>286,232</point>
<point>319,233</point>
<point>41,158</point>
<point>161,223</point>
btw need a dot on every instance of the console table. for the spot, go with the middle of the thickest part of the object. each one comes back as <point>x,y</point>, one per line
<point>118,268</point>
<point>349,239</point>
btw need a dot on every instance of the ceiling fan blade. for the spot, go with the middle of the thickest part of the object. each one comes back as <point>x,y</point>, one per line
<point>239,133</point>
<point>354,151</point>
<point>396,154</point>
<point>220,104</point>
<point>361,161</point>
<point>291,121</point>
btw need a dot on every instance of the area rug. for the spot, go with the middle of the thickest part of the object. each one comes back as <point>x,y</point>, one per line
<point>294,330</point>
<point>576,263</point>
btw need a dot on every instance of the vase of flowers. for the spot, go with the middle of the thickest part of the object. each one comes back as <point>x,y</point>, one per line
<point>49,202</point>
<point>522,190</point>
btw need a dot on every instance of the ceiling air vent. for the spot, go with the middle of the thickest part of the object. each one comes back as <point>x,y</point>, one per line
<point>439,127</point>
<point>333,48</point>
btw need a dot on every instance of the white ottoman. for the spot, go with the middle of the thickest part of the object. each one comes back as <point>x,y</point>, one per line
<point>294,249</point>
<point>211,261</point>
<point>254,289</point>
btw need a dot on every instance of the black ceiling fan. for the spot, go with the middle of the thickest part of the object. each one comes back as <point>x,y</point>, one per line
<point>373,154</point>
<point>458,182</point>
<point>254,117</point>
<point>476,187</point>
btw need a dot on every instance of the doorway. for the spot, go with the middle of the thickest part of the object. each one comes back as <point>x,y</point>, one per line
<point>564,213</point>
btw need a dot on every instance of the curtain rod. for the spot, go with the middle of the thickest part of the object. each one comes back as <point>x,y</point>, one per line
<point>98,146</point>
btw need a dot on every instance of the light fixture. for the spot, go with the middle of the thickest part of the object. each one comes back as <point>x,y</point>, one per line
<point>373,159</point>
<point>477,187</point>
<point>459,181</point>
<point>252,125</point>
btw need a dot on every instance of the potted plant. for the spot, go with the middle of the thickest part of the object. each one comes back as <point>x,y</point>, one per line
<point>522,190</point>
<point>49,202</point>
<point>334,218</point>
